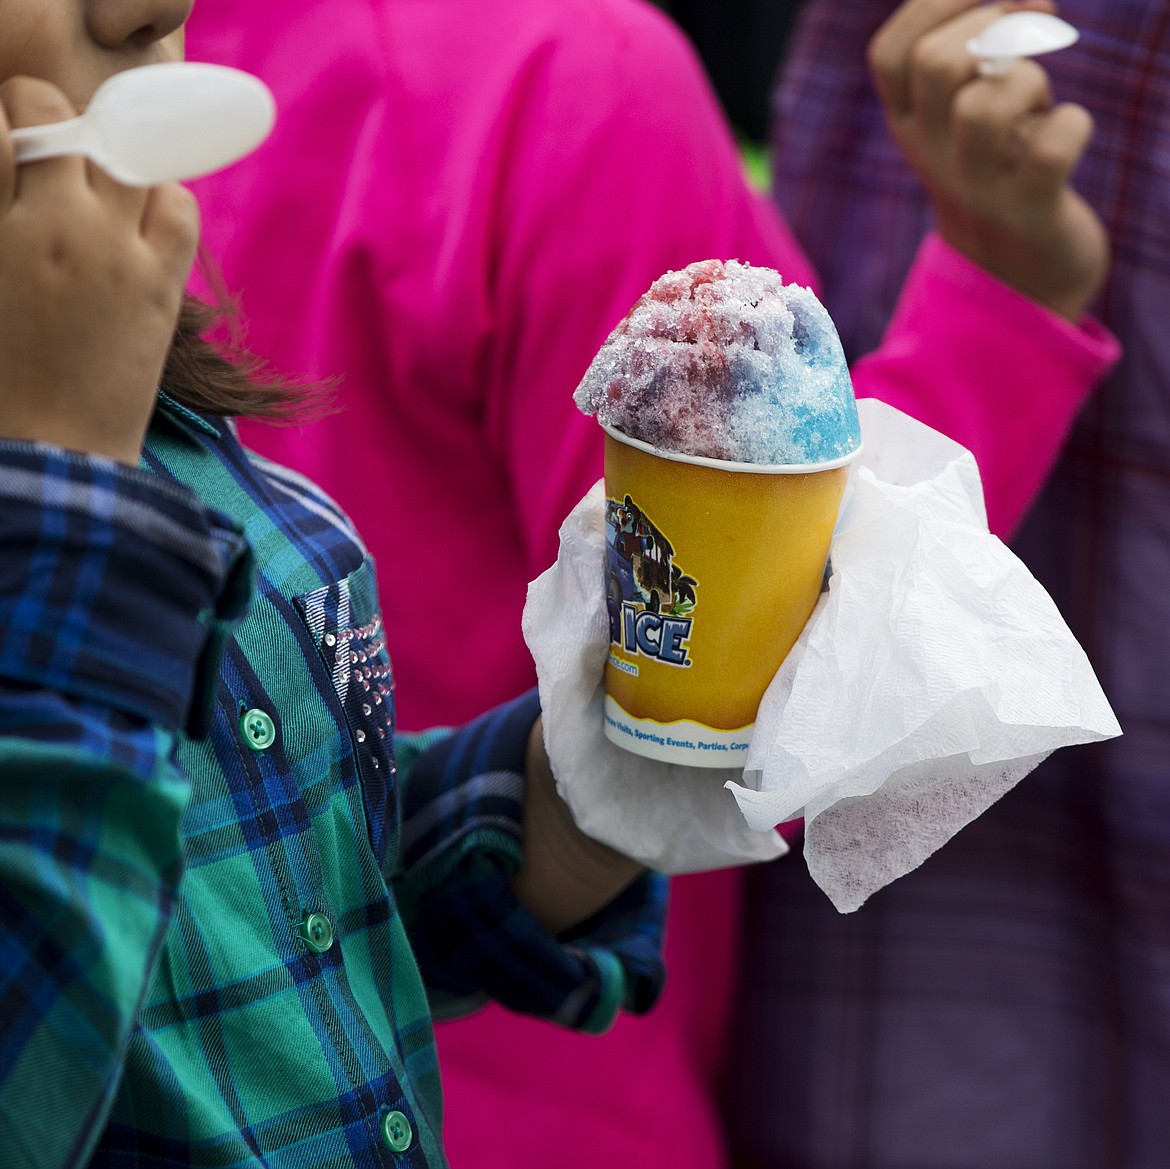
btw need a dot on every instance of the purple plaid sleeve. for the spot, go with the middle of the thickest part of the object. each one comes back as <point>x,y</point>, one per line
<point>1006,1006</point>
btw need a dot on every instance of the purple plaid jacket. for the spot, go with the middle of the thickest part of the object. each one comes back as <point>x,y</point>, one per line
<point>1007,1006</point>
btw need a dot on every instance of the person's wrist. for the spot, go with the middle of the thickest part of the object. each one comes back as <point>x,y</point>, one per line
<point>566,876</point>
<point>1064,287</point>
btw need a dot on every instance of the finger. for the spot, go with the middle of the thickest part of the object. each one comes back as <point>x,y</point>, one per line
<point>29,101</point>
<point>170,224</point>
<point>993,119</point>
<point>128,201</point>
<point>893,48</point>
<point>1057,143</point>
<point>889,50</point>
<point>940,65</point>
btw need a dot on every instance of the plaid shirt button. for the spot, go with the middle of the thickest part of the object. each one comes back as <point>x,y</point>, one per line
<point>258,729</point>
<point>317,932</point>
<point>396,1131</point>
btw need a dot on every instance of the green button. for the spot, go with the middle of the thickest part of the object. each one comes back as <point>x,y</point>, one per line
<point>396,1131</point>
<point>258,729</point>
<point>317,932</point>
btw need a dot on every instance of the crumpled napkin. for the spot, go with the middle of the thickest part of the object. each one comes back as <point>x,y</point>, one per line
<point>933,675</point>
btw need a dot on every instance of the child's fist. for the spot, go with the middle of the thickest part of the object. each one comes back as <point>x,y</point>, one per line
<point>91,278</point>
<point>994,152</point>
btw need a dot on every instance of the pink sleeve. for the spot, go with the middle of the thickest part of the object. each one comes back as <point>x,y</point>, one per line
<point>644,177</point>
<point>988,367</point>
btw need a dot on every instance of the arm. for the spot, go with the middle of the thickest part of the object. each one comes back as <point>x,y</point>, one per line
<point>96,668</point>
<point>566,876</point>
<point>97,674</point>
<point>93,273</point>
<point>966,350</point>
<point>994,153</point>
<point>988,343</point>
<point>588,941</point>
<point>989,367</point>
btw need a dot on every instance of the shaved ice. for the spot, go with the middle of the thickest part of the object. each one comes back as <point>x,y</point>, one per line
<point>725,361</point>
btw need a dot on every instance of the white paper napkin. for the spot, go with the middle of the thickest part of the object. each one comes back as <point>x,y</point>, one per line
<point>934,674</point>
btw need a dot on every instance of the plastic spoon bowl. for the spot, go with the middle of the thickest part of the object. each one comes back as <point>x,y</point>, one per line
<point>1020,34</point>
<point>161,123</point>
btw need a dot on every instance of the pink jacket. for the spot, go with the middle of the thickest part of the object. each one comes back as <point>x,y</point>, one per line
<point>458,203</point>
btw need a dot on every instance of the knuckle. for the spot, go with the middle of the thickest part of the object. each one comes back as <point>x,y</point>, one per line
<point>971,106</point>
<point>177,213</point>
<point>976,118</point>
<point>1034,80</point>
<point>162,300</point>
<point>1052,156</point>
<point>63,262</point>
<point>932,58</point>
<point>1065,135</point>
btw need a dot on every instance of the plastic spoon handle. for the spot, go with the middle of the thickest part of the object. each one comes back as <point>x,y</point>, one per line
<point>51,140</point>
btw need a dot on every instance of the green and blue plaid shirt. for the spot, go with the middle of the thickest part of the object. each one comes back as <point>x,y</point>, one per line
<point>223,885</point>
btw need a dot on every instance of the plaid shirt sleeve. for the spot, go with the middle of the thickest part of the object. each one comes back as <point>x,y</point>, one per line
<point>97,666</point>
<point>460,847</point>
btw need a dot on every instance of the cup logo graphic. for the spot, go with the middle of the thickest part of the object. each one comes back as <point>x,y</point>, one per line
<point>711,571</point>
<point>650,599</point>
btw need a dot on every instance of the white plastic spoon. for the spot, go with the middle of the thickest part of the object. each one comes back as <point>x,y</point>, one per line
<point>161,123</point>
<point>1019,34</point>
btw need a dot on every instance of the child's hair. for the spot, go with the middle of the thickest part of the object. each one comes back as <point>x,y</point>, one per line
<point>221,377</point>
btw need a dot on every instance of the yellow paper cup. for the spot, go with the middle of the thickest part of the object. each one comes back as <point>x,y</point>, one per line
<point>712,570</point>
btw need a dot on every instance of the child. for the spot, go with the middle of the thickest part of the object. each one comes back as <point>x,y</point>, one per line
<point>202,813</point>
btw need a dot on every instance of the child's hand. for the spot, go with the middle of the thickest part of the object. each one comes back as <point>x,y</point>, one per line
<point>91,278</point>
<point>993,152</point>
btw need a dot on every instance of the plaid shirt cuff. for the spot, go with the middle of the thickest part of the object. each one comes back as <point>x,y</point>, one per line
<point>461,846</point>
<point>87,542</point>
